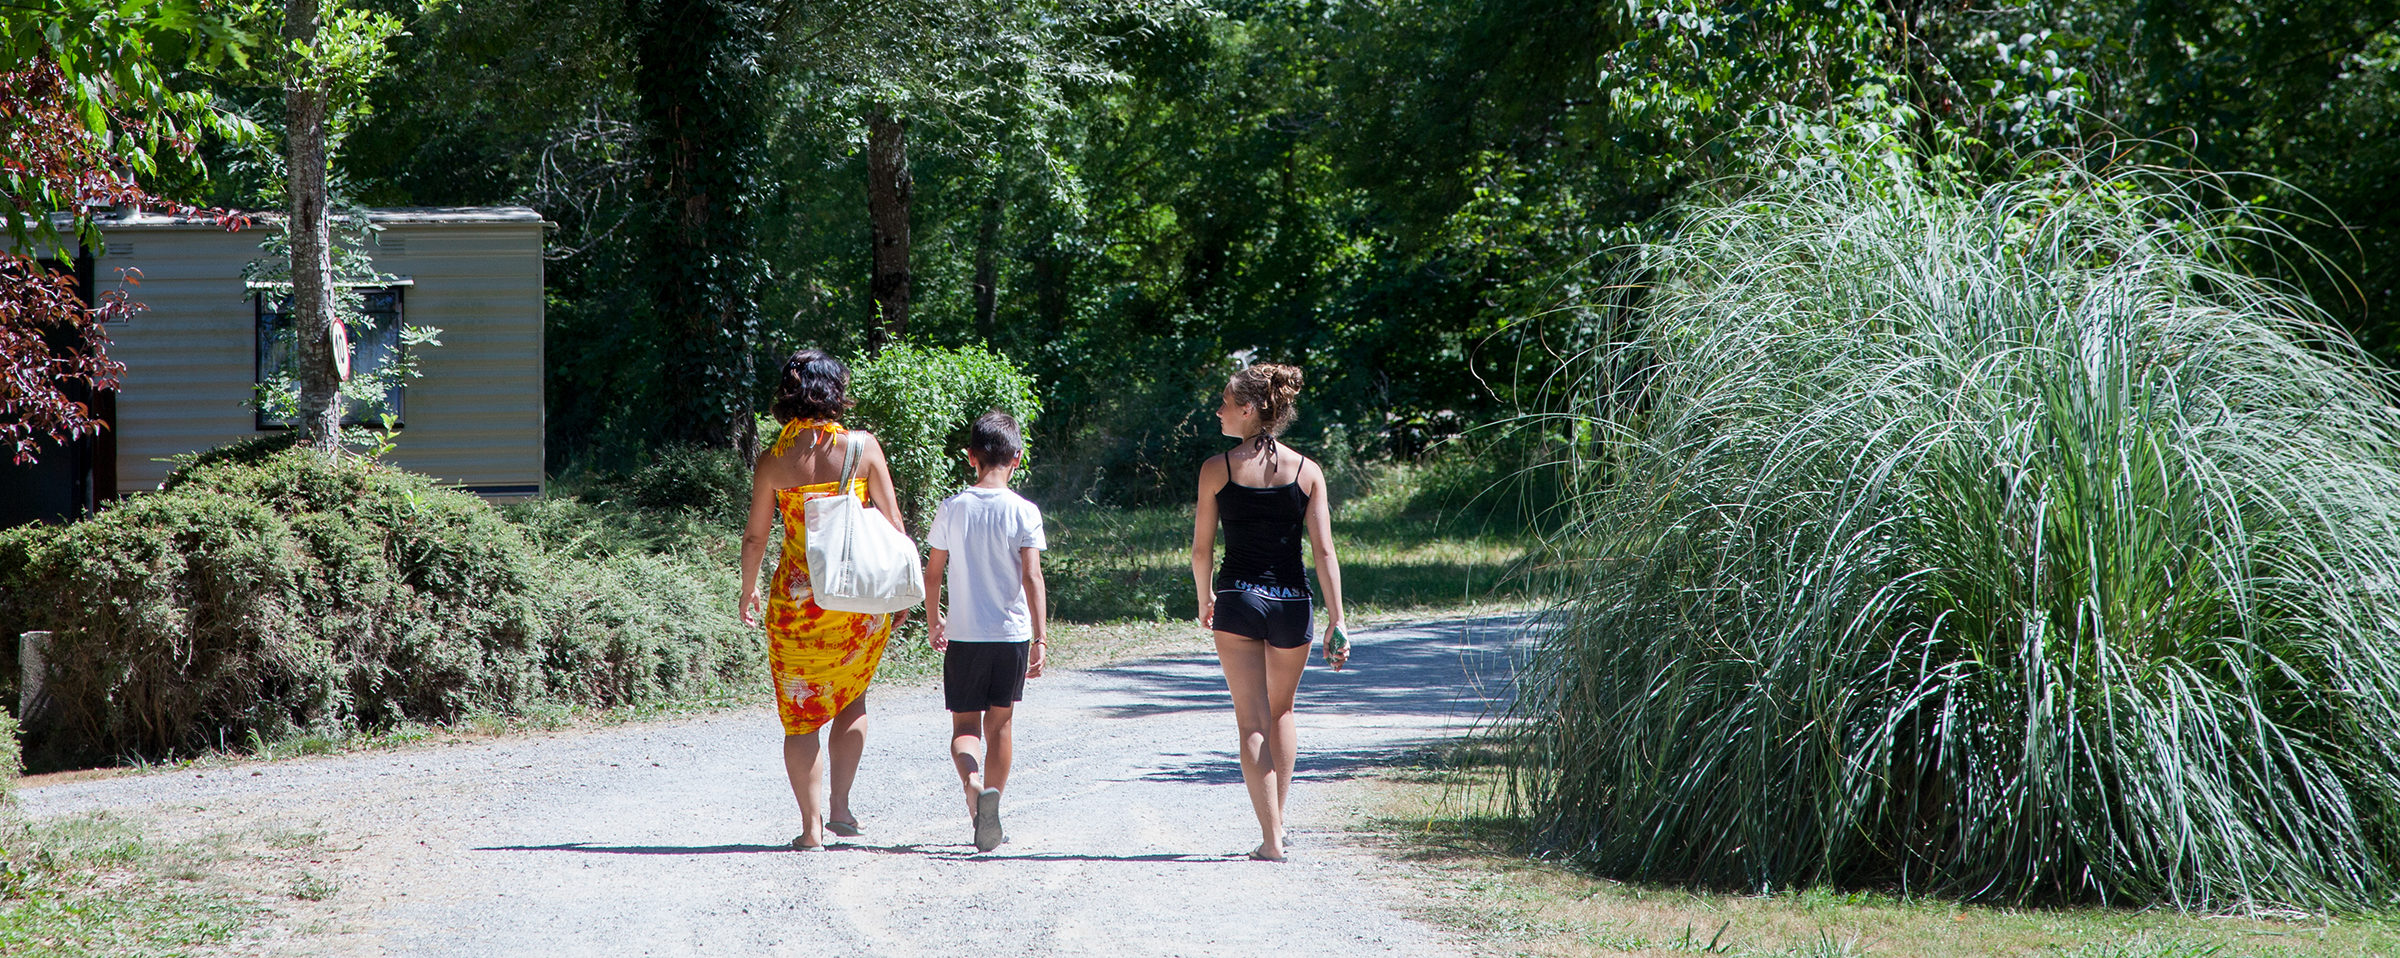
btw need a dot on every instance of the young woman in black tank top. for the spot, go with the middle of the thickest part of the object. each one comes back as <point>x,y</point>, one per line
<point>1258,603</point>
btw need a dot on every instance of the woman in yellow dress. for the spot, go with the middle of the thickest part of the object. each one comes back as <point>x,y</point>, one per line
<point>821,660</point>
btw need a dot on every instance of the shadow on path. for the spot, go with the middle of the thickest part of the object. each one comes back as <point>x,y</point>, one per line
<point>959,852</point>
<point>589,848</point>
<point>966,852</point>
<point>1459,668</point>
<point>1313,767</point>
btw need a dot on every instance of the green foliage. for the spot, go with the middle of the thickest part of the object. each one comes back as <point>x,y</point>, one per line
<point>1384,192</point>
<point>702,97</point>
<point>2000,543</point>
<point>120,59</point>
<point>692,477</point>
<point>919,400</point>
<point>290,594</point>
<point>1487,483</point>
<point>1112,565</point>
<point>12,761</point>
<point>348,51</point>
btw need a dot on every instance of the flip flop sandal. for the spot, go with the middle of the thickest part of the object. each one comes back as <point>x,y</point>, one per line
<point>800,844</point>
<point>843,829</point>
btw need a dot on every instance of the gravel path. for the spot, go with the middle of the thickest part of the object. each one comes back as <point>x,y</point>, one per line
<point>1126,815</point>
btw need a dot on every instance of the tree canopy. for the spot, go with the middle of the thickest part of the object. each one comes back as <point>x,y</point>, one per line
<point>1413,199</point>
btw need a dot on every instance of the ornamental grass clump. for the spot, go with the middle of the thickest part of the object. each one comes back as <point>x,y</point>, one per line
<point>2004,543</point>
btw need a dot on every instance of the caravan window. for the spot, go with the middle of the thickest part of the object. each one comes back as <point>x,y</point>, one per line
<point>372,348</point>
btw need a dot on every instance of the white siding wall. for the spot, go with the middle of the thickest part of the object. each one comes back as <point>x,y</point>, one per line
<point>189,362</point>
<point>474,418</point>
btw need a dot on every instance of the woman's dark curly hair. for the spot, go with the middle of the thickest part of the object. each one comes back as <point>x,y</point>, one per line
<point>815,386</point>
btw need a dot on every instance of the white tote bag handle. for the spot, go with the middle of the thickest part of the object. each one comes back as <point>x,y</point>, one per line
<point>849,461</point>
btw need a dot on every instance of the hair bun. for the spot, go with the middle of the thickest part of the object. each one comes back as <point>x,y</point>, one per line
<point>1274,388</point>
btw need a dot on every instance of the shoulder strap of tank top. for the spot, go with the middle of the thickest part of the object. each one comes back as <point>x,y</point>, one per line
<point>849,459</point>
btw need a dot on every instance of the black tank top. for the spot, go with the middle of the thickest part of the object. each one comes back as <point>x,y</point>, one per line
<point>1262,537</point>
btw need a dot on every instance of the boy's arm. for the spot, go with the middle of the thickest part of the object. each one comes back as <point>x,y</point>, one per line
<point>935,561</point>
<point>1037,603</point>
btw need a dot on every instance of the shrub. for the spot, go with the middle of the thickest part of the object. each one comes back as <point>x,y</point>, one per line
<point>919,400</point>
<point>713,481</point>
<point>2004,544</point>
<point>245,452</point>
<point>265,597</point>
<point>12,762</point>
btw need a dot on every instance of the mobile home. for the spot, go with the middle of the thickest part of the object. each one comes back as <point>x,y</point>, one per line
<point>196,354</point>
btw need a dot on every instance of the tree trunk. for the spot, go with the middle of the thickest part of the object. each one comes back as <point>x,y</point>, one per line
<point>700,119</point>
<point>889,190</point>
<point>323,350</point>
<point>987,259</point>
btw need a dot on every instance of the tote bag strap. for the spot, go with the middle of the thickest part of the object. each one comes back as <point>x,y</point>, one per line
<point>849,461</point>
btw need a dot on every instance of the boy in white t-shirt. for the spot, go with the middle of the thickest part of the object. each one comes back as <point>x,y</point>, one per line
<point>989,542</point>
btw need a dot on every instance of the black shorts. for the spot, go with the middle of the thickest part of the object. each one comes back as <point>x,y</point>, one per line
<point>984,675</point>
<point>1283,622</point>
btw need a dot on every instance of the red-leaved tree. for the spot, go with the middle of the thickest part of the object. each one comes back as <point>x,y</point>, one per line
<point>56,167</point>
<point>50,336</point>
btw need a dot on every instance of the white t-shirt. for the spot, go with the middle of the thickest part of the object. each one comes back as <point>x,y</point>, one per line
<point>982,529</point>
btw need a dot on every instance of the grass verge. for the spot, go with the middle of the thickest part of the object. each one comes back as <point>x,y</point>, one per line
<point>95,885</point>
<point>1116,565</point>
<point>1468,870</point>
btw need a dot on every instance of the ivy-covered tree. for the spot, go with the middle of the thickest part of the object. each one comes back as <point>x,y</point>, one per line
<point>994,75</point>
<point>699,76</point>
<point>320,54</point>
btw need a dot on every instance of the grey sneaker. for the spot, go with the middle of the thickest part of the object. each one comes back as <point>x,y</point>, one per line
<point>987,820</point>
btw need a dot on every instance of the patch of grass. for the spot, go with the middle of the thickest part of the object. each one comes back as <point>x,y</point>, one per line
<point>95,885</point>
<point>1467,864</point>
<point>1129,564</point>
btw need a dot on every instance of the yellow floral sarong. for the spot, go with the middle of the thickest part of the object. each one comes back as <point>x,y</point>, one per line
<point>821,660</point>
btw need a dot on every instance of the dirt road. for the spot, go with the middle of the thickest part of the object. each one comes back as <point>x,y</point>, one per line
<point>1127,821</point>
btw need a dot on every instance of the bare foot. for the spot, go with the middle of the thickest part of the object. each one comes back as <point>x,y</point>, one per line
<point>1267,852</point>
<point>974,783</point>
<point>811,837</point>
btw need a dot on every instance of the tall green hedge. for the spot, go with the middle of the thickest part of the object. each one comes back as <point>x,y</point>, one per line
<point>292,593</point>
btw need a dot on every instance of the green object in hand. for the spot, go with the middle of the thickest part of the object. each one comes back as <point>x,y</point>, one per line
<point>1337,645</point>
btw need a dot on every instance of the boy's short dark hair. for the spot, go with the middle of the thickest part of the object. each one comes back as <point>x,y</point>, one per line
<point>995,439</point>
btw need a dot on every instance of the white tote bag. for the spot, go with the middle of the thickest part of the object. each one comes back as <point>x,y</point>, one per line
<point>856,561</point>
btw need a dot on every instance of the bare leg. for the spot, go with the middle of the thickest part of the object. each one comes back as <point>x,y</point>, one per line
<point>801,763</point>
<point>998,745</point>
<point>1263,682</point>
<point>1284,667</point>
<point>846,741</point>
<point>966,734</point>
